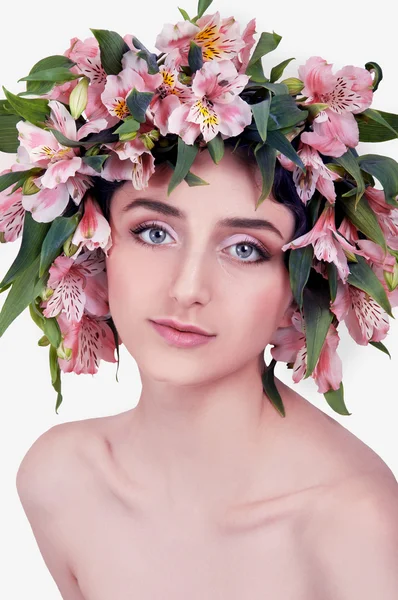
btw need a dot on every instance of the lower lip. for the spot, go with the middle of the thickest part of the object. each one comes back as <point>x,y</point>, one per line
<point>181,339</point>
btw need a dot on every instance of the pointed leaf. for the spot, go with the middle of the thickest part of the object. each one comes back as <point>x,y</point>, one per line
<point>335,399</point>
<point>270,389</point>
<point>300,263</point>
<point>33,235</point>
<point>373,127</point>
<point>184,14</point>
<point>278,70</point>
<point>265,157</point>
<point>385,169</point>
<point>203,5</point>
<point>61,228</point>
<point>50,62</point>
<point>56,75</point>
<point>261,113</point>
<point>9,179</point>
<point>95,162</point>
<point>112,47</point>
<point>55,372</point>
<point>33,110</point>
<point>332,279</point>
<point>191,179</point>
<point>255,72</point>
<point>216,148</point>
<point>350,164</point>
<point>186,154</point>
<point>284,112</point>
<point>267,43</point>
<point>364,219</point>
<point>373,67</point>
<point>381,347</point>
<point>277,140</point>
<point>9,133</point>
<point>130,125</point>
<point>363,277</point>
<point>317,317</point>
<point>138,103</point>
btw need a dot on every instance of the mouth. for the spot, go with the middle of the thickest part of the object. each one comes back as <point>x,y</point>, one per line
<point>183,328</point>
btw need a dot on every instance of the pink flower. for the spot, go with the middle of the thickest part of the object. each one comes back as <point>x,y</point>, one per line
<point>242,59</point>
<point>219,39</point>
<point>366,320</point>
<point>346,92</point>
<point>130,161</point>
<point>327,241</point>
<point>93,230</point>
<point>317,176</point>
<point>66,174</point>
<point>12,213</point>
<point>90,340</point>
<point>215,104</point>
<point>68,278</point>
<point>386,215</point>
<point>290,346</point>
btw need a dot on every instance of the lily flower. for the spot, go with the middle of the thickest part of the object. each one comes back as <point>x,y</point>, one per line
<point>93,230</point>
<point>346,92</point>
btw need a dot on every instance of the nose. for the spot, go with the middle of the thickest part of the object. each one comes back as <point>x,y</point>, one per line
<point>192,276</point>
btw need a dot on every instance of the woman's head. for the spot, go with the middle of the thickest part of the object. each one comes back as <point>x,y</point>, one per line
<point>201,271</point>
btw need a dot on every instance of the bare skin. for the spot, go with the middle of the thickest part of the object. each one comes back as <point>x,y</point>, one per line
<point>123,537</point>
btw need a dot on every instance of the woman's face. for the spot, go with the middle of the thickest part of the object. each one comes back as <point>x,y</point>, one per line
<point>199,272</point>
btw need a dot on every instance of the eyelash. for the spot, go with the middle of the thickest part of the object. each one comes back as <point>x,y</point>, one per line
<point>257,245</point>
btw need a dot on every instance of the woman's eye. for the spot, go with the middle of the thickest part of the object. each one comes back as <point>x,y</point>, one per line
<point>156,240</point>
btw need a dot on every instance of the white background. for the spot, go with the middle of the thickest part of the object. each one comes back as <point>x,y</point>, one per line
<point>338,32</point>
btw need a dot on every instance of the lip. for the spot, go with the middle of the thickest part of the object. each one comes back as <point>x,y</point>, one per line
<point>182,326</point>
<point>181,339</point>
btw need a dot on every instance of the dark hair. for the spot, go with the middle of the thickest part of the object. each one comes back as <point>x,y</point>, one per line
<point>283,189</point>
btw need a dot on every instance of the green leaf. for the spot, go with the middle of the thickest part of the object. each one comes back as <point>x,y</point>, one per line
<point>184,14</point>
<point>50,62</point>
<point>255,72</point>
<point>5,108</point>
<point>149,57</point>
<point>130,125</point>
<point>373,126</point>
<point>350,164</point>
<point>33,235</point>
<point>385,169</point>
<point>112,47</point>
<point>9,179</point>
<point>277,140</point>
<point>35,111</point>
<point>364,219</point>
<point>335,399</point>
<point>284,112</point>
<point>193,180</point>
<point>300,262</point>
<point>261,113</point>
<point>138,103</point>
<point>95,162</point>
<point>363,277</point>
<point>270,389</point>
<point>195,58</point>
<point>278,70</point>
<point>56,75</point>
<point>185,156</point>
<point>49,326</point>
<point>216,148</point>
<point>265,156</point>
<point>61,228</point>
<point>9,133</point>
<point>55,372</point>
<point>381,347</point>
<point>318,318</point>
<point>267,43</point>
<point>203,5</point>
<point>373,67</point>
<point>21,294</point>
<point>332,279</point>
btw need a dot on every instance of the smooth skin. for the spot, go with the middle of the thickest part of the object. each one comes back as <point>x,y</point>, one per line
<point>203,491</point>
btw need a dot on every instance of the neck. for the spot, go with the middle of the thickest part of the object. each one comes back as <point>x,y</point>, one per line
<point>202,443</point>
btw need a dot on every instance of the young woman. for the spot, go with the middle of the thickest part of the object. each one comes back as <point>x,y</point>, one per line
<point>222,482</point>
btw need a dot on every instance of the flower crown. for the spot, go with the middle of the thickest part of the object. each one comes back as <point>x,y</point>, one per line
<point>108,105</point>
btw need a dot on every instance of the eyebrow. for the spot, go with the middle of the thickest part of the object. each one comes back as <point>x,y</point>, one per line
<point>167,209</point>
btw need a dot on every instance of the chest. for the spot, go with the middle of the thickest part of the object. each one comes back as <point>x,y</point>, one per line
<point>123,555</point>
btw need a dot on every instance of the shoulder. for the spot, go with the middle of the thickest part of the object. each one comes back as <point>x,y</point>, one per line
<point>355,541</point>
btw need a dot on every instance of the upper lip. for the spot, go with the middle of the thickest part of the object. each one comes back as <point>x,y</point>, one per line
<point>182,326</point>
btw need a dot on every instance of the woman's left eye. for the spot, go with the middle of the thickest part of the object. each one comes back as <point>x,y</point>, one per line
<point>260,249</point>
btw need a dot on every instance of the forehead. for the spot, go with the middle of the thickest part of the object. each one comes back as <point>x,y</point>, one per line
<point>233,190</point>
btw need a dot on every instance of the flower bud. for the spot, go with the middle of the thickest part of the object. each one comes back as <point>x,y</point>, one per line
<point>46,293</point>
<point>126,137</point>
<point>43,341</point>
<point>78,98</point>
<point>294,85</point>
<point>391,279</point>
<point>149,138</point>
<point>351,257</point>
<point>69,248</point>
<point>93,151</point>
<point>64,353</point>
<point>29,187</point>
